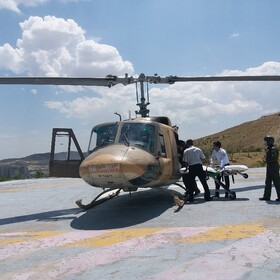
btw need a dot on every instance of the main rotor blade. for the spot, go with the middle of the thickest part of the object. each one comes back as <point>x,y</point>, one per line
<point>107,81</point>
<point>173,79</point>
<point>113,80</point>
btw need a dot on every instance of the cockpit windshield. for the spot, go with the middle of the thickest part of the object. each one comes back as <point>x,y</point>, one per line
<point>138,134</point>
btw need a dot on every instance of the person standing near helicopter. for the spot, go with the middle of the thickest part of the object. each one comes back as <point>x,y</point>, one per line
<point>272,169</point>
<point>186,175</point>
<point>221,156</point>
<point>193,158</point>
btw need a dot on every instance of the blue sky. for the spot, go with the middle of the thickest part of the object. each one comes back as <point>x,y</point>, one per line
<point>167,37</point>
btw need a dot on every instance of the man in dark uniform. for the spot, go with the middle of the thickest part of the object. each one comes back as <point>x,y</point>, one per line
<point>272,169</point>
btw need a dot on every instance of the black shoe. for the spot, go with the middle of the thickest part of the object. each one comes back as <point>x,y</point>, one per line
<point>197,192</point>
<point>189,199</point>
<point>208,198</point>
<point>277,199</point>
<point>226,195</point>
<point>264,198</point>
<point>217,194</point>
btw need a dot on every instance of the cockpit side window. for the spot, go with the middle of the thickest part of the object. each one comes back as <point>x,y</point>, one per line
<point>138,134</point>
<point>105,135</point>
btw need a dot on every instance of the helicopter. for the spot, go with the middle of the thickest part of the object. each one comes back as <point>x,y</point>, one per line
<point>140,152</point>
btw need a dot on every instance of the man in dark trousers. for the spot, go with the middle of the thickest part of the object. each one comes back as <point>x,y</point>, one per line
<point>272,169</point>
<point>193,158</point>
<point>185,176</point>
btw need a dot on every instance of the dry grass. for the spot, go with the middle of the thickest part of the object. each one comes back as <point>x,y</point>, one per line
<point>253,159</point>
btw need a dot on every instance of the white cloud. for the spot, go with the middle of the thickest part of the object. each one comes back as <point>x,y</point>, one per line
<point>10,5</point>
<point>52,46</point>
<point>13,5</point>
<point>119,98</point>
<point>199,102</point>
<point>10,58</point>
<point>267,68</point>
<point>211,107</point>
<point>235,35</point>
<point>34,91</point>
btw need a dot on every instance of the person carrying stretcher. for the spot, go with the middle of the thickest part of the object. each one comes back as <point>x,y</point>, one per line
<point>220,155</point>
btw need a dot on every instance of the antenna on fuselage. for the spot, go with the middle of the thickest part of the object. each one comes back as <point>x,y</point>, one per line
<point>116,113</point>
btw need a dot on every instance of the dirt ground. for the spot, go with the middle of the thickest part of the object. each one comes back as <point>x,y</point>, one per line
<point>251,159</point>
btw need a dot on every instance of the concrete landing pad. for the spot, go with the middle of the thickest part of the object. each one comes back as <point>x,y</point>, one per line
<point>44,235</point>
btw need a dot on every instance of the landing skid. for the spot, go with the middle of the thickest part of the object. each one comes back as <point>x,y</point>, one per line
<point>95,201</point>
<point>177,201</point>
<point>181,186</point>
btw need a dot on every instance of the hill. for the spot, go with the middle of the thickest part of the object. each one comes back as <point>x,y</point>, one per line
<point>244,142</point>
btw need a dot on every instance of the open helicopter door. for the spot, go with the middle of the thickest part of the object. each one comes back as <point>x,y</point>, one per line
<point>64,161</point>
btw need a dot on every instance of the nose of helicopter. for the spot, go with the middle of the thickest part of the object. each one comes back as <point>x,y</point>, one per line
<point>119,166</point>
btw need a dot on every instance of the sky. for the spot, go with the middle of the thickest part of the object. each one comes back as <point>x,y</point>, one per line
<point>83,38</point>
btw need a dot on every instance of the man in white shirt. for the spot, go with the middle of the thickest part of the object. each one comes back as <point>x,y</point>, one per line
<point>221,156</point>
<point>193,158</point>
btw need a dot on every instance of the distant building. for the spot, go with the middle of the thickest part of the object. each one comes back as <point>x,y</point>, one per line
<point>12,171</point>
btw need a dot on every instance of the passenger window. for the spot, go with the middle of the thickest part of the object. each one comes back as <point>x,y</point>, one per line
<point>162,146</point>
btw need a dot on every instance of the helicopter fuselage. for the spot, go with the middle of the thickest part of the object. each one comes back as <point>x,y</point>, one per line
<point>132,154</point>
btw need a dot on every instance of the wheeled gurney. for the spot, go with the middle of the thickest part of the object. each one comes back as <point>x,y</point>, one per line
<point>229,170</point>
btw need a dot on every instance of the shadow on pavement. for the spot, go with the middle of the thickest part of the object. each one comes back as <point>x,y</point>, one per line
<point>124,211</point>
<point>50,215</point>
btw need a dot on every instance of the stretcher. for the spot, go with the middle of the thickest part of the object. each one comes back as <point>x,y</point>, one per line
<point>229,170</point>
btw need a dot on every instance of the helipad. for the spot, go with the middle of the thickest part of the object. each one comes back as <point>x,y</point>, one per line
<point>43,235</point>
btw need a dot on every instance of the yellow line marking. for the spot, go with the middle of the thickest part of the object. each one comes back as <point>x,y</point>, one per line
<point>26,236</point>
<point>115,237</point>
<point>16,189</point>
<point>11,241</point>
<point>237,231</point>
